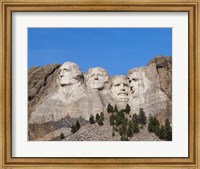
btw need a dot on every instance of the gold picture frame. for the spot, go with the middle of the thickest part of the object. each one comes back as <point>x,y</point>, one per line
<point>9,6</point>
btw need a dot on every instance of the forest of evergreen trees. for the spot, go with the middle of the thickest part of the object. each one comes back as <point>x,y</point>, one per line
<point>126,125</point>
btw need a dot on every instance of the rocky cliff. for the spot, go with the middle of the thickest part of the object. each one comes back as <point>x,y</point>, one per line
<point>59,95</point>
<point>153,86</point>
<point>41,82</point>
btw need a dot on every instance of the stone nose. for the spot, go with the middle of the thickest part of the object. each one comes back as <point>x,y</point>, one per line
<point>95,77</point>
<point>132,83</point>
<point>61,74</point>
<point>122,87</point>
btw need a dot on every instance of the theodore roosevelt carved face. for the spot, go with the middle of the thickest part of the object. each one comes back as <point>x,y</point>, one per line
<point>69,73</point>
<point>96,78</point>
<point>120,88</point>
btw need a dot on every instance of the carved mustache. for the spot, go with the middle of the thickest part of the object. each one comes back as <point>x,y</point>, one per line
<point>124,93</point>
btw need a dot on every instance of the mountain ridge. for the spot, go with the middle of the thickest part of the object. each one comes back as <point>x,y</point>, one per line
<point>154,94</point>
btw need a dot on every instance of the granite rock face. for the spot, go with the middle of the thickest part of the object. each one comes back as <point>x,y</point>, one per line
<point>164,68</point>
<point>70,99</point>
<point>41,82</point>
<point>63,93</point>
<point>151,88</point>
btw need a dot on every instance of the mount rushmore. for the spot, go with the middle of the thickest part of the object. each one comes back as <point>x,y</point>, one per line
<point>59,91</point>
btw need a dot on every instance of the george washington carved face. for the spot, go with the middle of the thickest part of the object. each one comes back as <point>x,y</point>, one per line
<point>69,72</point>
<point>120,88</point>
<point>96,78</point>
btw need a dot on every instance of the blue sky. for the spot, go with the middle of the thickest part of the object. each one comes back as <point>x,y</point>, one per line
<point>115,49</point>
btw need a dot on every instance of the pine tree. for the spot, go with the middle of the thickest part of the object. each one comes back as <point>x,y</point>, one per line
<point>156,126</point>
<point>123,129</point>
<point>100,118</point>
<point>116,109</point>
<point>141,117</point>
<point>78,124</point>
<point>102,115</point>
<point>62,136</point>
<point>113,133</point>
<point>97,117</point>
<point>168,131</point>
<point>135,117</point>
<point>121,132</point>
<point>135,126</point>
<point>120,118</point>
<point>112,119</point>
<point>91,120</point>
<point>100,122</point>
<point>127,109</point>
<point>110,108</point>
<point>150,124</point>
<point>75,127</point>
<point>130,129</point>
<point>162,133</point>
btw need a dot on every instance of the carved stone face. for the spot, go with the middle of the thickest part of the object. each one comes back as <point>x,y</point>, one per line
<point>120,88</point>
<point>68,73</point>
<point>134,83</point>
<point>96,77</point>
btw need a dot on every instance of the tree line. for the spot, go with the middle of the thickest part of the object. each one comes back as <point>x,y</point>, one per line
<point>127,125</point>
<point>123,123</point>
<point>164,132</point>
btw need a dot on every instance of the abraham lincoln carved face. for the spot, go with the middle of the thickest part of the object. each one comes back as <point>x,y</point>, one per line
<point>136,82</point>
<point>134,79</point>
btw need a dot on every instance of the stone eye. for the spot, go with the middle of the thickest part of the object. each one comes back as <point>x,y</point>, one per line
<point>66,70</point>
<point>100,75</point>
<point>134,79</point>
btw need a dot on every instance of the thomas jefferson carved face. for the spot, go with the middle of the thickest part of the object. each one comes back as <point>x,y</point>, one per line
<point>120,88</point>
<point>96,78</point>
<point>69,72</point>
